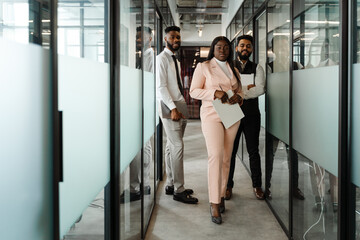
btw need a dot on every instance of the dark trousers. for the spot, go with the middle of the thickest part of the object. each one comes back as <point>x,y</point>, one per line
<point>271,149</point>
<point>250,125</point>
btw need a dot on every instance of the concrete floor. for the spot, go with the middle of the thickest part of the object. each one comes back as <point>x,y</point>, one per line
<point>245,216</point>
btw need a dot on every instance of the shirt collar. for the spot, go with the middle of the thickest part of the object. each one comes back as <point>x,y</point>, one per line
<point>168,51</point>
<point>148,50</point>
<point>241,62</point>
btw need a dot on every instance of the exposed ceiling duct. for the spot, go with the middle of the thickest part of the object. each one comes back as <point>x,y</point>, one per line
<point>199,13</point>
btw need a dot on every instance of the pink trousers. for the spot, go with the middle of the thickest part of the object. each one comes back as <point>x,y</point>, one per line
<point>219,144</point>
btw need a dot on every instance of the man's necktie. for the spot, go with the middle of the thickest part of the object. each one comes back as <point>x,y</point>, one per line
<point>178,75</point>
<point>138,61</point>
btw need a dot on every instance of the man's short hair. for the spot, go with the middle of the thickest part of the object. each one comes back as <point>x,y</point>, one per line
<point>172,28</point>
<point>247,37</point>
<point>146,29</point>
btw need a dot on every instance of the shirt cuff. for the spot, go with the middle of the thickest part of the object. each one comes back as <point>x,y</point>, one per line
<point>213,93</point>
<point>171,106</point>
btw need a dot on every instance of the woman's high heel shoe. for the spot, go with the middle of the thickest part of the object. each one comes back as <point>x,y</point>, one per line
<point>222,205</point>
<point>215,213</point>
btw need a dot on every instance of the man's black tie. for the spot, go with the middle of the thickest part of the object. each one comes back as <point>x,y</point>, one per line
<point>178,75</point>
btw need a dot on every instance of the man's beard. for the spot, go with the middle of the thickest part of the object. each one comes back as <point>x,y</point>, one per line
<point>171,47</point>
<point>244,57</point>
<point>140,48</point>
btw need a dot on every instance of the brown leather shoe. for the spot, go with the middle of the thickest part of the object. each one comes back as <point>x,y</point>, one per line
<point>298,194</point>
<point>259,194</point>
<point>222,205</point>
<point>228,193</point>
<point>268,194</point>
<point>215,213</point>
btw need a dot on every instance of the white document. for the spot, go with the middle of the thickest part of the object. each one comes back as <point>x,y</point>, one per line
<point>246,79</point>
<point>229,114</point>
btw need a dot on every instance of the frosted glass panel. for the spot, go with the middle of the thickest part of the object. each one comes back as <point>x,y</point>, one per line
<point>262,110</point>
<point>130,115</point>
<point>355,136</point>
<point>25,142</point>
<point>149,105</point>
<point>278,94</point>
<point>315,115</point>
<point>84,99</point>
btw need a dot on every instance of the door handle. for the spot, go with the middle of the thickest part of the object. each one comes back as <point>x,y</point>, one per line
<point>61,178</point>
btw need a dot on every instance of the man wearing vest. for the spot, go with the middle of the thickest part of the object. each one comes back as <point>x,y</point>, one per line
<point>250,124</point>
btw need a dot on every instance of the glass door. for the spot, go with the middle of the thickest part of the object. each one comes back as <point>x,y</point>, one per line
<point>315,119</point>
<point>260,58</point>
<point>149,40</point>
<point>27,109</point>
<point>84,99</point>
<point>277,118</point>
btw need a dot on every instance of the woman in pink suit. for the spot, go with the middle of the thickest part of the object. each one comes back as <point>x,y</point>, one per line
<point>211,80</point>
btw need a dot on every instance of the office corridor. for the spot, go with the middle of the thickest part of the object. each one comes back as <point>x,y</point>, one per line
<point>244,218</point>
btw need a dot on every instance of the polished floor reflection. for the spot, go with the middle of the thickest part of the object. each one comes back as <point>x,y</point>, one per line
<point>90,225</point>
<point>130,208</point>
<point>357,213</point>
<point>314,197</point>
<point>277,178</point>
<point>316,216</point>
<point>244,218</point>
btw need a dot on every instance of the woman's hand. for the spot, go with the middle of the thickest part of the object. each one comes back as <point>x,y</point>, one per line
<point>236,98</point>
<point>222,96</point>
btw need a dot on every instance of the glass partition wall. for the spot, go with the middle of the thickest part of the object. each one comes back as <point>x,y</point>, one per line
<point>149,40</point>
<point>140,25</point>
<point>316,50</point>
<point>84,100</point>
<point>130,119</point>
<point>303,51</point>
<point>29,200</point>
<point>277,84</point>
<point>299,44</point>
<point>355,115</point>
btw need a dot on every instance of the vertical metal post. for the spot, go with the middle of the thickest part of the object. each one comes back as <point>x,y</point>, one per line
<point>114,119</point>
<point>142,120</point>
<point>291,175</point>
<point>55,120</point>
<point>159,128</point>
<point>344,163</point>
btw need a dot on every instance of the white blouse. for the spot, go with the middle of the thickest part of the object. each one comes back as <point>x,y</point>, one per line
<point>224,67</point>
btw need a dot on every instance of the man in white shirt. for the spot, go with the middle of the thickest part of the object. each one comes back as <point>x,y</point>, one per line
<point>250,124</point>
<point>148,55</point>
<point>170,91</point>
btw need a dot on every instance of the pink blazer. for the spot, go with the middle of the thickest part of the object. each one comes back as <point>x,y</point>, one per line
<point>207,78</point>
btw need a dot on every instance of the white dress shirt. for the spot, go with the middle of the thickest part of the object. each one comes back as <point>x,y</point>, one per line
<point>259,88</point>
<point>166,81</point>
<point>149,60</point>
